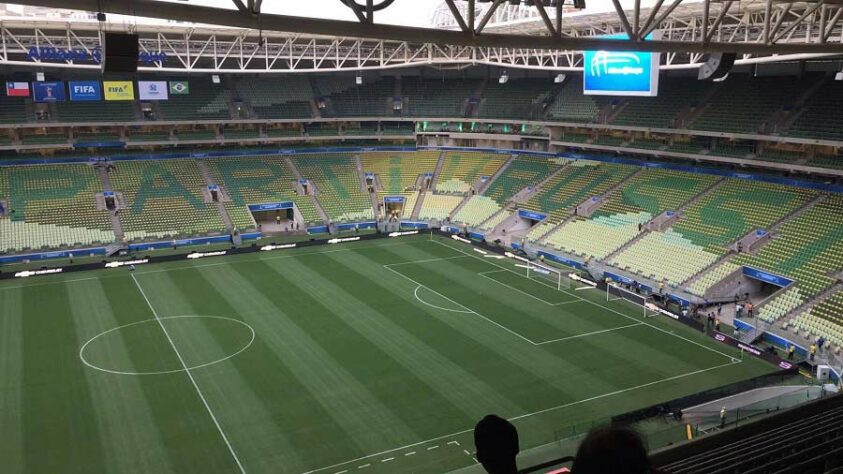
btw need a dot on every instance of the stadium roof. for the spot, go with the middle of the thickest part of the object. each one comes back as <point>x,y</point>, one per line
<point>495,34</point>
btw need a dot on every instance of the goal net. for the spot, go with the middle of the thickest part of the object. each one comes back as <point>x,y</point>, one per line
<point>615,292</point>
<point>551,276</point>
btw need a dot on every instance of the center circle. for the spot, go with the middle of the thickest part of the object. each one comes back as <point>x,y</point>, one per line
<point>143,338</point>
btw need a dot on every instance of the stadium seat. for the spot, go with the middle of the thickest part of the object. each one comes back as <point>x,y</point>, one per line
<point>462,170</point>
<point>165,200</point>
<point>257,180</point>
<point>338,182</point>
<point>55,206</point>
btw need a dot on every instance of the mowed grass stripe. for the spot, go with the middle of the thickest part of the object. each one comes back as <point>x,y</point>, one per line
<point>300,424</point>
<point>387,321</point>
<point>189,436</point>
<point>484,341</point>
<point>506,306</point>
<point>138,445</point>
<point>59,413</point>
<point>11,389</point>
<point>244,393</point>
<point>612,361</point>
<point>613,348</point>
<point>354,409</point>
<point>402,391</point>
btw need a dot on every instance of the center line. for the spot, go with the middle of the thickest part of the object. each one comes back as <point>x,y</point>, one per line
<point>190,376</point>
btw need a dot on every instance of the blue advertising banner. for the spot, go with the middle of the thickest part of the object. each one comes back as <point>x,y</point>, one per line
<point>531,215</point>
<point>681,301</point>
<point>558,259</point>
<point>621,72</point>
<point>85,90</point>
<point>48,91</point>
<point>270,206</point>
<point>389,199</point>
<point>766,277</point>
<point>618,278</point>
<point>413,225</point>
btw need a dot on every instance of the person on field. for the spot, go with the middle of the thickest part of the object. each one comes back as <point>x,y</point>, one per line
<point>723,417</point>
<point>612,449</point>
<point>496,445</point>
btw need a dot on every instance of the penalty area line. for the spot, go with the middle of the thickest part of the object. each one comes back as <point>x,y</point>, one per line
<point>631,318</point>
<point>461,306</point>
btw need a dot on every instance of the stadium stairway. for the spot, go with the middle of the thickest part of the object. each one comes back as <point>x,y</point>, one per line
<point>644,232</point>
<point>684,119</point>
<point>571,217</point>
<point>500,171</point>
<point>209,180</point>
<point>554,228</point>
<point>480,190</point>
<point>373,196</point>
<point>462,203</point>
<point>418,206</point>
<point>119,235</point>
<point>438,171</point>
<point>720,261</point>
<point>806,439</point>
<point>799,105</point>
<point>538,187</point>
<point>810,303</point>
<point>797,212</point>
<point>319,209</point>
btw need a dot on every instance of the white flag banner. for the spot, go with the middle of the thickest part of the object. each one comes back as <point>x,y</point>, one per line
<point>153,90</point>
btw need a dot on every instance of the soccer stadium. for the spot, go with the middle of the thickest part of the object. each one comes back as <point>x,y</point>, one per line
<point>427,236</point>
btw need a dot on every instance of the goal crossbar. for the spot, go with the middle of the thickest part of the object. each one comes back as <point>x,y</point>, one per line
<point>615,292</point>
<point>555,275</point>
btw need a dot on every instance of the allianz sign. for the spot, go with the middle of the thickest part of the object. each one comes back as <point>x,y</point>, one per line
<point>48,53</point>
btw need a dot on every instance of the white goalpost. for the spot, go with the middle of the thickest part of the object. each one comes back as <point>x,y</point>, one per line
<point>615,292</point>
<point>544,272</point>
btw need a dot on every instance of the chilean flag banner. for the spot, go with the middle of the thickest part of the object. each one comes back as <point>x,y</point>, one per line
<point>17,89</point>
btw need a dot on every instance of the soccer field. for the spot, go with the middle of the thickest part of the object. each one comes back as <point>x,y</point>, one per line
<point>370,357</point>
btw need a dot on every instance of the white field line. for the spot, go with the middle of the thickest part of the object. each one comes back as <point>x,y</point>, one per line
<point>117,273</point>
<point>513,288</point>
<point>589,333</point>
<point>425,260</point>
<point>462,306</point>
<point>525,415</point>
<point>600,306</point>
<point>190,376</point>
<point>422,301</point>
<point>563,302</point>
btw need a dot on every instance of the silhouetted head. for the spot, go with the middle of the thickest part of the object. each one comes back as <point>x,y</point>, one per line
<point>610,450</point>
<point>496,442</point>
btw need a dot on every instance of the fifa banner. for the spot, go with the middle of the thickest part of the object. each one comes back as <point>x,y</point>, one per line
<point>152,90</point>
<point>17,89</point>
<point>119,90</point>
<point>630,73</point>
<point>85,90</point>
<point>179,88</point>
<point>48,91</point>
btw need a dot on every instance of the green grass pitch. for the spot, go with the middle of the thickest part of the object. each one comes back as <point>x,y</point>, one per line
<point>370,357</point>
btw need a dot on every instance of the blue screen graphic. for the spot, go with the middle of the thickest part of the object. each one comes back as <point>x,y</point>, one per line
<point>620,72</point>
